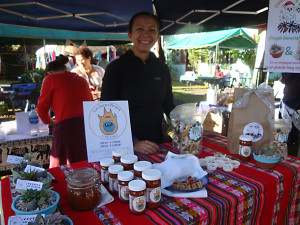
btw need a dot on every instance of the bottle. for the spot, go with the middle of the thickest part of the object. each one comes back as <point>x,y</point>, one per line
<point>245,150</point>
<point>34,121</point>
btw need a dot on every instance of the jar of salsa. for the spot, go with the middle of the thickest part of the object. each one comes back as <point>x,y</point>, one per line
<point>139,167</point>
<point>117,153</point>
<point>152,177</point>
<point>104,164</point>
<point>113,171</point>
<point>127,161</point>
<point>123,179</point>
<point>83,189</point>
<point>245,150</point>
<point>137,198</point>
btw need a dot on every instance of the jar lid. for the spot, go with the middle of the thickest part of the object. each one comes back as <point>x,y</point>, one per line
<point>125,176</point>
<point>119,152</point>
<point>129,159</point>
<point>246,138</point>
<point>137,185</point>
<point>82,177</point>
<point>151,174</point>
<point>115,169</point>
<point>142,165</point>
<point>107,162</point>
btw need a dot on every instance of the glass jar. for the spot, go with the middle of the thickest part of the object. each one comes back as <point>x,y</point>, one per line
<point>117,153</point>
<point>152,177</point>
<point>137,197</point>
<point>113,171</point>
<point>127,161</point>
<point>123,179</point>
<point>245,150</point>
<point>139,167</point>
<point>104,164</point>
<point>83,189</point>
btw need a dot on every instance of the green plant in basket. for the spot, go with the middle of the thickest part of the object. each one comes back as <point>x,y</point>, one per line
<point>33,198</point>
<point>30,175</point>
<point>52,219</point>
<point>267,151</point>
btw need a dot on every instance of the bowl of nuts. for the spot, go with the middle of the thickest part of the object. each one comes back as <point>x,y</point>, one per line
<point>266,158</point>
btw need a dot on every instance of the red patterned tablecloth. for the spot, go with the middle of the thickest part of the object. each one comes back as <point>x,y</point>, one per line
<point>247,195</point>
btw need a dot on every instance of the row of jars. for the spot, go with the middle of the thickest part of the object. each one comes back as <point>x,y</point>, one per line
<point>134,181</point>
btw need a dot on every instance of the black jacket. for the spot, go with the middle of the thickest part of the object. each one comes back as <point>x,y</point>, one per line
<point>291,90</point>
<point>146,86</point>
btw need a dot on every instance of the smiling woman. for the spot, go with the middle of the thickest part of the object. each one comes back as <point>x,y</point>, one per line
<point>145,81</point>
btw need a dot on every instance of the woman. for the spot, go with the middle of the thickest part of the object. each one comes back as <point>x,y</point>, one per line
<point>145,81</point>
<point>92,73</point>
<point>64,92</point>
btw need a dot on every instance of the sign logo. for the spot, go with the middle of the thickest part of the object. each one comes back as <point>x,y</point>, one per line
<point>108,123</point>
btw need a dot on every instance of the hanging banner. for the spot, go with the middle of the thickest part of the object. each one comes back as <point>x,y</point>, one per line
<point>282,51</point>
<point>107,127</point>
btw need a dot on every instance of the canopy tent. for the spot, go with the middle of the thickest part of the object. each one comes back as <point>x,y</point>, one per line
<point>233,38</point>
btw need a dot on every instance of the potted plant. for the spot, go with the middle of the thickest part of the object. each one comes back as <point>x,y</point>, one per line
<point>36,202</point>
<point>266,157</point>
<point>52,219</point>
<point>19,168</point>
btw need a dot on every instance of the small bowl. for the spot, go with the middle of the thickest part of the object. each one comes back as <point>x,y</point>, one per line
<point>277,54</point>
<point>266,163</point>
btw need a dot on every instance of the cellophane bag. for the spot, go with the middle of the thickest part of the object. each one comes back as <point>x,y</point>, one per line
<point>187,122</point>
<point>282,128</point>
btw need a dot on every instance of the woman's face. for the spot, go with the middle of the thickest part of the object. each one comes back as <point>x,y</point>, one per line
<point>83,62</point>
<point>144,33</point>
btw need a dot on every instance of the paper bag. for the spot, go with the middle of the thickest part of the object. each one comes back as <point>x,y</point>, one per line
<point>252,114</point>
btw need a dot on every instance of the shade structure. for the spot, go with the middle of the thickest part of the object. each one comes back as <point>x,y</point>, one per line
<point>232,38</point>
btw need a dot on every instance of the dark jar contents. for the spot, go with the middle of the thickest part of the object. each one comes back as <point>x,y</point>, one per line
<point>104,164</point>
<point>83,189</point>
<point>113,171</point>
<point>127,161</point>
<point>117,153</point>
<point>137,197</point>
<point>245,150</point>
<point>139,167</point>
<point>152,177</point>
<point>124,178</point>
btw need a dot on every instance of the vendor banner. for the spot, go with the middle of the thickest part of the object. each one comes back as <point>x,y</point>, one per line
<point>282,50</point>
<point>107,127</point>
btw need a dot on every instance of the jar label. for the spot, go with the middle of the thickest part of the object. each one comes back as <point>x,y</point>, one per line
<point>153,194</point>
<point>123,192</point>
<point>104,176</point>
<point>113,184</point>
<point>195,132</point>
<point>137,204</point>
<point>255,130</point>
<point>244,150</point>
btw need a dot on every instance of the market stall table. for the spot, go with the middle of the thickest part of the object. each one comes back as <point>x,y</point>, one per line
<point>247,195</point>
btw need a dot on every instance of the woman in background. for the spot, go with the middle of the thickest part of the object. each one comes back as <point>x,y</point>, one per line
<point>64,92</point>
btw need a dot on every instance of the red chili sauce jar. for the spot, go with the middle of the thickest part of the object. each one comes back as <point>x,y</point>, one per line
<point>245,150</point>
<point>127,161</point>
<point>113,171</point>
<point>117,153</point>
<point>139,167</point>
<point>152,177</point>
<point>137,197</point>
<point>104,164</point>
<point>124,178</point>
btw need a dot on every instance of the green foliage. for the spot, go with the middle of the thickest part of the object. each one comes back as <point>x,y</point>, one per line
<point>194,55</point>
<point>31,175</point>
<point>33,76</point>
<point>30,195</point>
<point>22,165</point>
<point>247,56</point>
<point>52,219</point>
<point>173,69</point>
<point>28,156</point>
<point>43,195</point>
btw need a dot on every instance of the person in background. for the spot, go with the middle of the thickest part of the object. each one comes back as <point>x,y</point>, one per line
<point>142,79</point>
<point>290,103</point>
<point>104,61</point>
<point>64,92</point>
<point>92,73</point>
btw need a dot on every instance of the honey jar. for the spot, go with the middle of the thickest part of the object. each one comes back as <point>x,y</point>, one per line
<point>127,161</point>
<point>117,153</point>
<point>245,150</point>
<point>137,197</point>
<point>152,177</point>
<point>124,178</point>
<point>113,171</point>
<point>83,189</point>
<point>104,164</point>
<point>139,167</point>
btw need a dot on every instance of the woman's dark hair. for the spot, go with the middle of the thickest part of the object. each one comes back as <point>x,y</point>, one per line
<point>141,14</point>
<point>84,51</point>
<point>57,65</point>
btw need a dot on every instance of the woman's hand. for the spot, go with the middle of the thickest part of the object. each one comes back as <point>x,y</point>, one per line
<point>146,147</point>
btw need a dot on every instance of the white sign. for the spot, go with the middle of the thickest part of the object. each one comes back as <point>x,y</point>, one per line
<point>107,127</point>
<point>27,184</point>
<point>33,168</point>
<point>15,159</point>
<point>22,219</point>
<point>282,51</point>
<point>22,119</point>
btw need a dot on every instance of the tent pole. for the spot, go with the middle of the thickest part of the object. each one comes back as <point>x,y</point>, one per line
<point>25,55</point>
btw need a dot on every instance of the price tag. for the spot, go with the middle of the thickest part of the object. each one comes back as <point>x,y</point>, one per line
<point>22,219</point>
<point>27,184</point>
<point>33,168</point>
<point>15,159</point>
